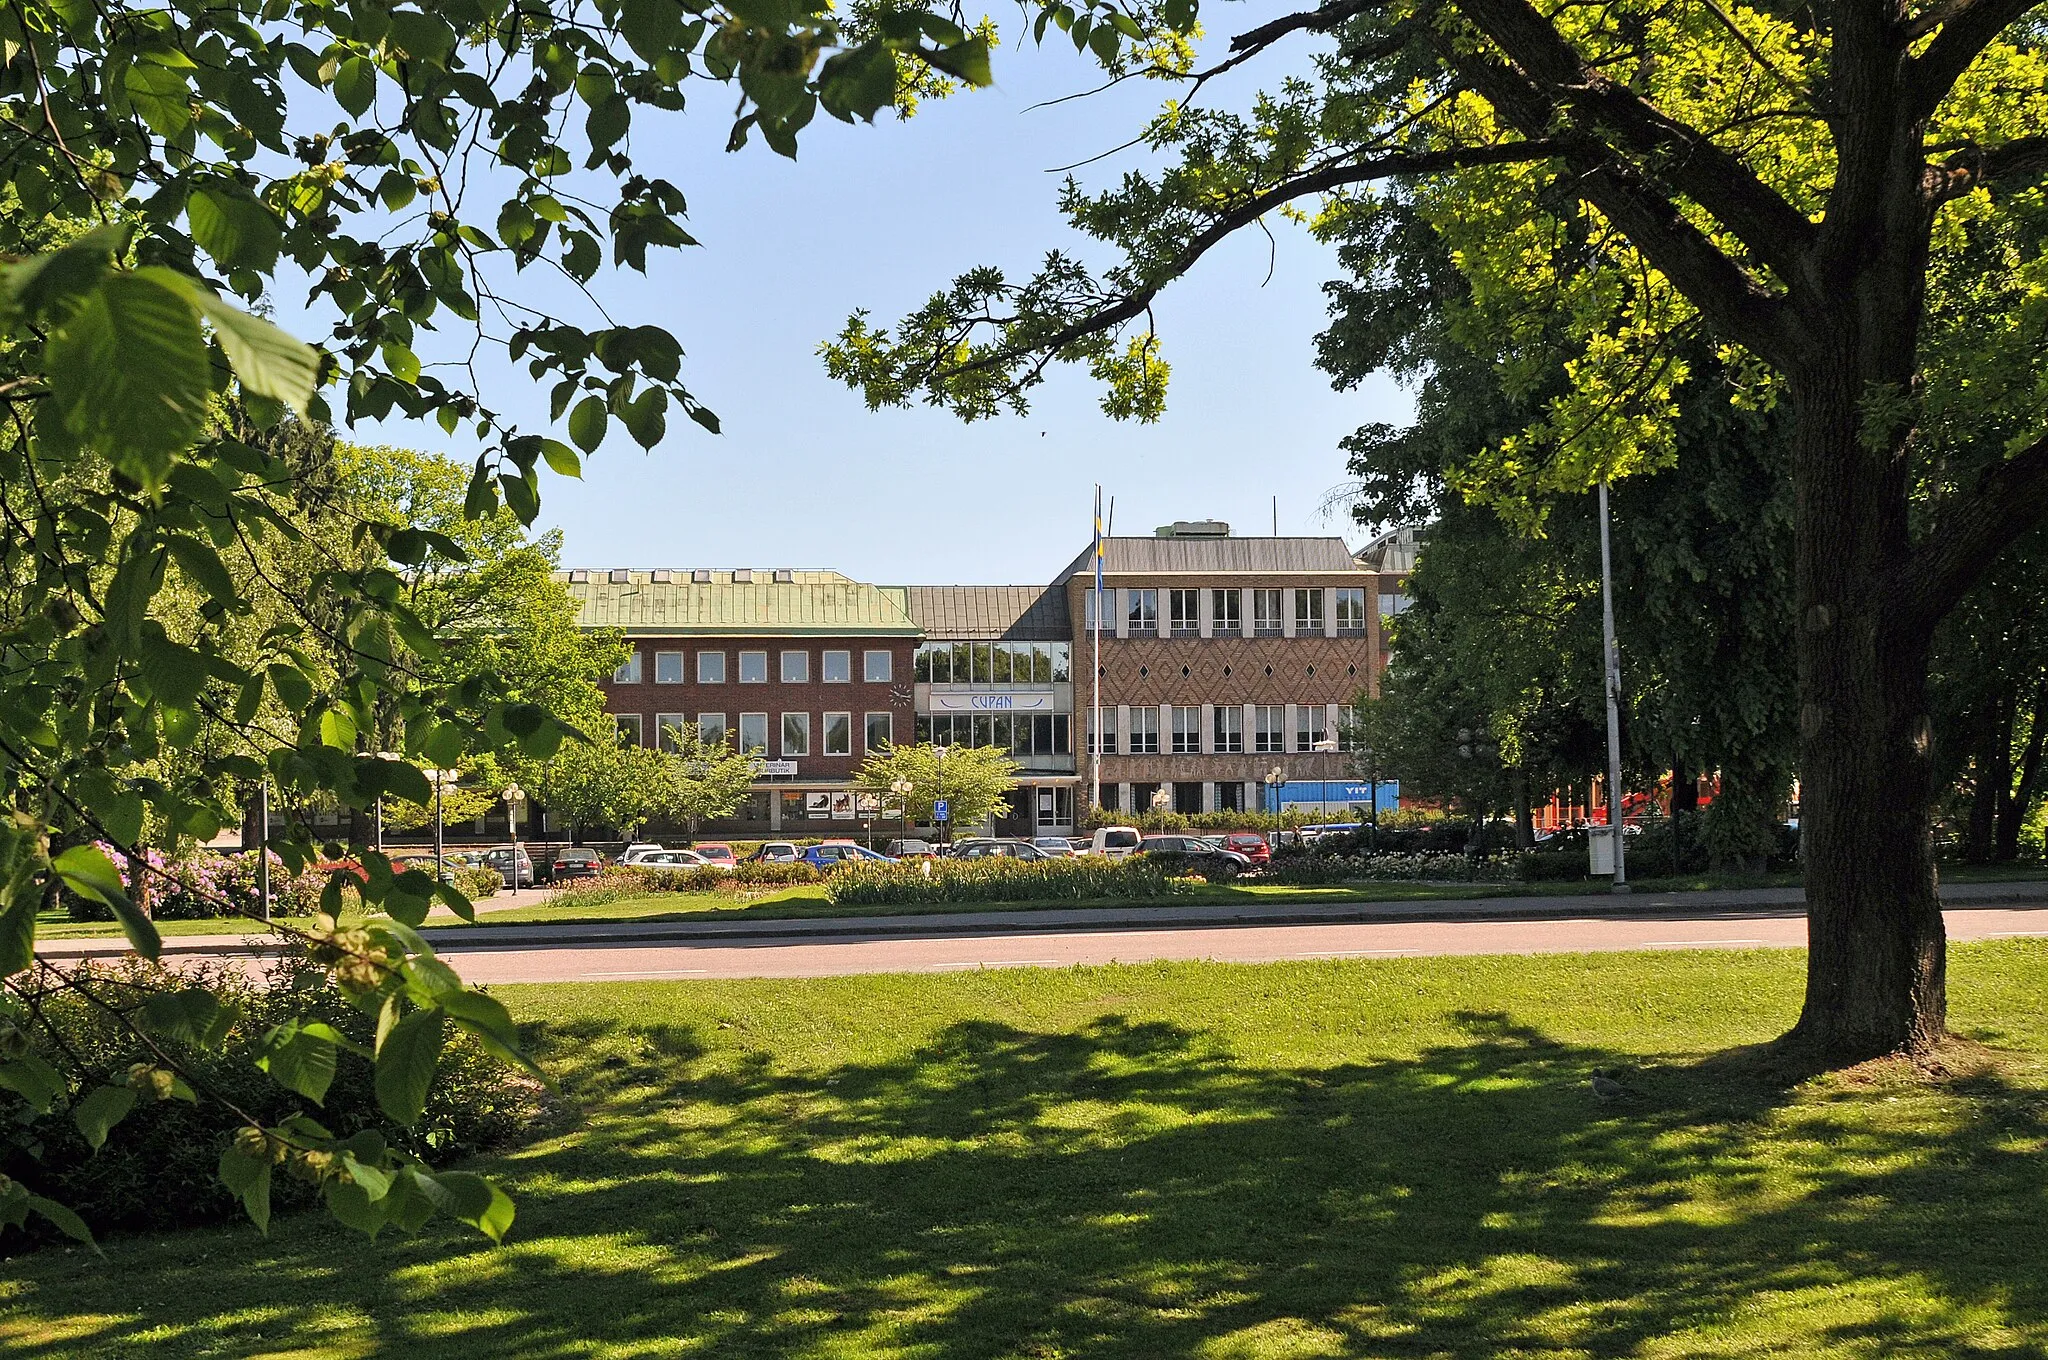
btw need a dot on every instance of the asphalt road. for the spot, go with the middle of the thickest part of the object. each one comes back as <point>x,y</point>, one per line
<point>772,958</point>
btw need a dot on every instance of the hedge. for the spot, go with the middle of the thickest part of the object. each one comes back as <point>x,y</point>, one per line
<point>1311,869</point>
<point>942,881</point>
<point>620,882</point>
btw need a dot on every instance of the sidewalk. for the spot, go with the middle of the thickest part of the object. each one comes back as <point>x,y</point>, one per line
<point>1730,902</point>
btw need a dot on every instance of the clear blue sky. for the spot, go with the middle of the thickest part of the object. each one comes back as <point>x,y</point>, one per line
<point>805,476</point>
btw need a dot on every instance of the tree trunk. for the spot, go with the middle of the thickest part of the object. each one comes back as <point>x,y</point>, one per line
<point>1876,957</point>
<point>2016,796</point>
<point>1685,789</point>
<point>1525,816</point>
<point>1992,761</point>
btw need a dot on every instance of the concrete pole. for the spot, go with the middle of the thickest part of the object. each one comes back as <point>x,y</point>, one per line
<point>1613,668</point>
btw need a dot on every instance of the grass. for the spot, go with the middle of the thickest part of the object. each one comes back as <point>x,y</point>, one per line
<point>1394,1158</point>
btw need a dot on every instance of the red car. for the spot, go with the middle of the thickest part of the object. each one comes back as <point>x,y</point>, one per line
<point>1251,845</point>
<point>717,852</point>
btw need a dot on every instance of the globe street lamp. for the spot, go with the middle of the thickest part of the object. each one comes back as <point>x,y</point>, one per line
<point>440,779</point>
<point>903,788</point>
<point>945,823</point>
<point>512,795</point>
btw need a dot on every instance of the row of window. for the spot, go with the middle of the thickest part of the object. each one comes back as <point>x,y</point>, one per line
<point>836,732</point>
<point>1021,734</point>
<point>836,668</point>
<point>995,663</point>
<point>1184,610</point>
<point>1269,729</point>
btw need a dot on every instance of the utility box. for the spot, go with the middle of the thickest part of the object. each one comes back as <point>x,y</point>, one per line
<point>1600,851</point>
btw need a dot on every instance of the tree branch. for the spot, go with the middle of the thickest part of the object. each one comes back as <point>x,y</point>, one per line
<point>1973,167</point>
<point>1719,181</point>
<point>2011,498</point>
<point>1965,28</point>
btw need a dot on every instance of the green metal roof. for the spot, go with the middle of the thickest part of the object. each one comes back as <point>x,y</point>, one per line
<point>729,603</point>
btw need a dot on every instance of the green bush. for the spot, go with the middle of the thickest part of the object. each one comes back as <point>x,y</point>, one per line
<point>157,1168</point>
<point>1311,869</point>
<point>621,882</point>
<point>476,882</point>
<point>941,881</point>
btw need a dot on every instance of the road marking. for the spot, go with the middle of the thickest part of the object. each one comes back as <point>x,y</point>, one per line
<point>649,972</point>
<point>1001,963</point>
<point>1681,944</point>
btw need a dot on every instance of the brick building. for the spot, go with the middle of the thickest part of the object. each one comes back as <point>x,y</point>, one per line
<point>1226,667</point>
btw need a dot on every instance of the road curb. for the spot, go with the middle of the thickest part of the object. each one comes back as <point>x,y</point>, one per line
<point>1054,920</point>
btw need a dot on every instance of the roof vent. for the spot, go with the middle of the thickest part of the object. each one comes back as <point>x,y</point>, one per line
<point>702,576</point>
<point>783,578</point>
<point>663,576</point>
<point>579,576</point>
<point>1193,528</point>
<point>620,576</point>
<point>742,576</point>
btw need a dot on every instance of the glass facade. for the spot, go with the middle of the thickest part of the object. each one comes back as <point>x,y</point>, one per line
<point>994,663</point>
<point>1021,734</point>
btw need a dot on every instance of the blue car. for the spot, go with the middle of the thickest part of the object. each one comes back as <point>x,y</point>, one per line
<point>832,854</point>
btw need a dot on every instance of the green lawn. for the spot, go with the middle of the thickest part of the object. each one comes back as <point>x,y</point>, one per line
<point>1375,1159</point>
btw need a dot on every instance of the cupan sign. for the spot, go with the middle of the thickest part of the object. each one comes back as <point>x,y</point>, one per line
<point>991,703</point>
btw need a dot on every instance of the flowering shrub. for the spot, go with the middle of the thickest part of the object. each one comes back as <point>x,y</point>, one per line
<point>1003,880</point>
<point>1304,870</point>
<point>621,882</point>
<point>301,896</point>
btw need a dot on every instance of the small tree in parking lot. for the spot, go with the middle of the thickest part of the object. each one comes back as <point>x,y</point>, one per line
<point>975,781</point>
<point>704,779</point>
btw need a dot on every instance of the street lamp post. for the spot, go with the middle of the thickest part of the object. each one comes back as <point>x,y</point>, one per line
<point>1613,669</point>
<point>512,796</point>
<point>440,778</point>
<point>939,799</point>
<point>903,788</point>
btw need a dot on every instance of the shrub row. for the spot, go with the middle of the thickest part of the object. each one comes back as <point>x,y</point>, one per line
<point>1002,880</point>
<point>1306,870</point>
<point>620,882</point>
<point>156,1170</point>
<point>209,886</point>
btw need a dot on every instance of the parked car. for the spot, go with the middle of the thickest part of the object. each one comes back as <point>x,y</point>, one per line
<point>575,862</point>
<point>832,854</point>
<point>998,849</point>
<point>1055,847</point>
<point>717,854</point>
<point>512,862</point>
<point>632,853</point>
<point>1116,841</point>
<point>1082,845</point>
<point>670,859</point>
<point>775,852</point>
<point>425,864</point>
<point>1192,854</point>
<point>1251,845</point>
<point>910,848</point>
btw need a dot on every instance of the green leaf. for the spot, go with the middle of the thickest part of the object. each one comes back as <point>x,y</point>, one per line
<point>338,729</point>
<point>97,1114</point>
<point>470,1197</point>
<point>355,85</point>
<point>90,874</point>
<point>587,423</point>
<point>300,1056</point>
<point>160,95</point>
<point>175,673</point>
<point>129,375</point>
<point>34,1080</point>
<point>967,60</point>
<point>561,457</point>
<point>194,1016</point>
<point>236,230</point>
<point>294,690</point>
<point>122,816</point>
<point>65,1221</point>
<point>268,361</point>
<point>406,1058</point>
<point>247,1177</point>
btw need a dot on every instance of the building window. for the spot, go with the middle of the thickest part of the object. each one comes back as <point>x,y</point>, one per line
<point>1230,796</point>
<point>881,731</point>
<point>1266,613</point>
<point>1350,728</point>
<point>628,672</point>
<point>711,668</point>
<point>666,726</point>
<point>754,733</point>
<point>1308,611</point>
<point>1088,608</point>
<point>935,663</point>
<point>1061,659</point>
<point>838,734</point>
<point>1187,798</point>
<point>1225,612</point>
<point>668,668</point>
<point>838,668</point>
<point>711,729</point>
<point>1229,729</point>
<point>1350,611</point>
<point>753,668</point>
<point>1145,731</point>
<point>1269,728</point>
<point>1184,612</point>
<point>1145,798</point>
<point>1105,739</point>
<point>877,667</point>
<point>796,668</point>
<point>1390,605</point>
<point>1187,730</point>
<point>1308,726</point>
<point>796,734</point>
<point>1108,803</point>
<point>1142,610</point>
<point>629,728</point>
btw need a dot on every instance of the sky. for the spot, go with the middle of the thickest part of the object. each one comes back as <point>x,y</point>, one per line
<point>804,475</point>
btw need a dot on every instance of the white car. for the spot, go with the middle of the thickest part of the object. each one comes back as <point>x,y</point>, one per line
<point>1115,842</point>
<point>670,859</point>
<point>632,854</point>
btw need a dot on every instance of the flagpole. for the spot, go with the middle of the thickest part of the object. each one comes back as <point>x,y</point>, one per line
<point>1095,672</point>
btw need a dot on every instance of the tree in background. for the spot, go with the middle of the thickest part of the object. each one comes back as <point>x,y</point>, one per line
<point>605,781</point>
<point>975,781</point>
<point>704,779</point>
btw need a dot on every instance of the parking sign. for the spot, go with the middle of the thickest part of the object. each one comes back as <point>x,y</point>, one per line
<point>939,810</point>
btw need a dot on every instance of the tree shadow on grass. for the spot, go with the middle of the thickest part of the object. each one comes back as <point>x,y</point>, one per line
<point>1133,1189</point>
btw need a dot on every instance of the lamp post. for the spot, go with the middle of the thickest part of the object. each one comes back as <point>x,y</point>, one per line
<point>379,812</point>
<point>512,795</point>
<point>1275,777</point>
<point>946,823</point>
<point>903,788</point>
<point>439,778</point>
<point>263,845</point>
<point>1613,678</point>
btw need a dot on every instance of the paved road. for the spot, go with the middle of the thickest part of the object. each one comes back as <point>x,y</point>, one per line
<point>1772,927</point>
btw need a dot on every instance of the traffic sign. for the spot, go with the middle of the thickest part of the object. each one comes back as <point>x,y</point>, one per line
<point>939,810</point>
